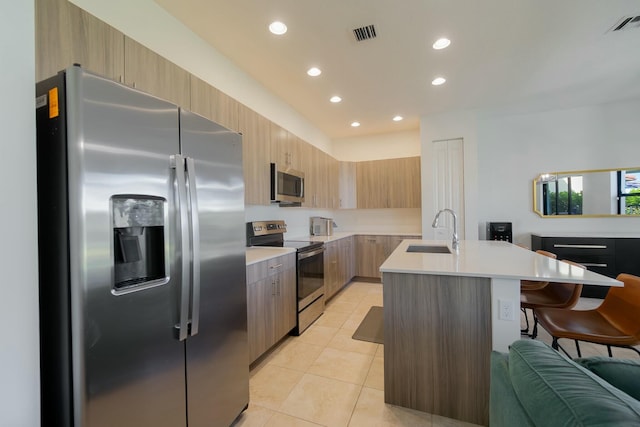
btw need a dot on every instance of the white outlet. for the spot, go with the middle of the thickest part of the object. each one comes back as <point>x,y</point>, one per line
<point>506,310</point>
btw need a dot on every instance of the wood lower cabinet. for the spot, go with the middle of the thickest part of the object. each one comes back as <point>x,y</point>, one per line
<point>339,262</point>
<point>608,256</point>
<point>347,258</point>
<point>271,302</point>
<point>67,35</point>
<point>369,256</point>
<point>373,250</point>
<point>331,278</point>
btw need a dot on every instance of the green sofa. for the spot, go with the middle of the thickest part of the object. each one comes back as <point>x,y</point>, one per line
<point>534,385</point>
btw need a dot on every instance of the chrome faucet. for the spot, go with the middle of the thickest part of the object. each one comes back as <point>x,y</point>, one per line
<point>454,241</point>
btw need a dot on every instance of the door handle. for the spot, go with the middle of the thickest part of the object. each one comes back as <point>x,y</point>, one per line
<point>178,165</point>
<point>195,246</point>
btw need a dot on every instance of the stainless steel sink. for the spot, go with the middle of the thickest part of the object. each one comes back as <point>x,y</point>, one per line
<point>429,249</point>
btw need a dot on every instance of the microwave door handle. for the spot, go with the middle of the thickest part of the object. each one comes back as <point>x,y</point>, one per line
<point>195,247</point>
<point>177,163</point>
<point>274,180</point>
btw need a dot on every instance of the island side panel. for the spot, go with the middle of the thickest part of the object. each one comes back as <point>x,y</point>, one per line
<point>438,340</point>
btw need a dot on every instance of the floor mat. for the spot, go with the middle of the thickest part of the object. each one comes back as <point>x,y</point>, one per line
<point>372,327</point>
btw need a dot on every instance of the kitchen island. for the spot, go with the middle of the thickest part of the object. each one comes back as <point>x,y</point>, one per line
<point>445,312</point>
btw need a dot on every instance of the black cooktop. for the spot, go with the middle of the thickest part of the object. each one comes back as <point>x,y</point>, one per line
<point>271,233</point>
<point>299,244</point>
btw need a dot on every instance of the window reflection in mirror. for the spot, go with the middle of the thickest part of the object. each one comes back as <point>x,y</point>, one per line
<point>609,192</point>
<point>630,192</point>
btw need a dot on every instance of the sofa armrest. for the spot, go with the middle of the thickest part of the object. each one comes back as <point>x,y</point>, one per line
<point>505,410</point>
<point>620,373</point>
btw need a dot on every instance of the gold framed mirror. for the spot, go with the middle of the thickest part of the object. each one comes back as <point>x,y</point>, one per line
<point>588,193</point>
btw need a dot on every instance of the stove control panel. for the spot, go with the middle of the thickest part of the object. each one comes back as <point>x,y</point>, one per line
<point>261,228</point>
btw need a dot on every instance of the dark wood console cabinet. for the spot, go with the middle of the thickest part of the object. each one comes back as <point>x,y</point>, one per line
<point>608,256</point>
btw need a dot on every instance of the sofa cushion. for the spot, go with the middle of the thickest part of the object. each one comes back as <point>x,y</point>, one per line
<point>620,373</point>
<point>555,391</point>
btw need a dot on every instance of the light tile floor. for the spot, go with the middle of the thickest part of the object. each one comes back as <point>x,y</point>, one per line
<point>326,378</point>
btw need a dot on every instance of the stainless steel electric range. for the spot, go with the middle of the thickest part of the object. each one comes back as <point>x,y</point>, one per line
<point>309,267</point>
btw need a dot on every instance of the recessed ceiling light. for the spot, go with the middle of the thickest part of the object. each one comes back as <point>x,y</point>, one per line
<point>355,124</point>
<point>441,43</point>
<point>335,99</point>
<point>438,81</point>
<point>277,28</point>
<point>397,118</point>
<point>314,71</point>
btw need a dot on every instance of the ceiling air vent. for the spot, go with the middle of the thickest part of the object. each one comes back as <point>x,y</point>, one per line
<point>627,22</point>
<point>365,33</point>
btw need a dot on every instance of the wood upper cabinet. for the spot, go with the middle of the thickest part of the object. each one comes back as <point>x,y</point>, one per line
<point>256,144</point>
<point>150,72</point>
<point>286,149</point>
<point>333,170</point>
<point>390,183</point>
<point>215,105</point>
<point>321,178</point>
<point>311,169</point>
<point>347,185</point>
<point>67,35</point>
<point>405,183</point>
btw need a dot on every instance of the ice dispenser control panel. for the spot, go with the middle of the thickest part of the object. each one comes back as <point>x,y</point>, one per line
<point>138,242</point>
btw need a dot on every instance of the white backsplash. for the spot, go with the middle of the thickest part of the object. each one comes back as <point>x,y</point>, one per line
<point>297,219</point>
<point>381,220</point>
<point>358,220</point>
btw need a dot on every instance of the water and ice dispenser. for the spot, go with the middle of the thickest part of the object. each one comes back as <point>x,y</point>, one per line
<point>138,242</point>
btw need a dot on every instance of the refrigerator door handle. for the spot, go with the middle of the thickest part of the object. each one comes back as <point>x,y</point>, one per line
<point>195,247</point>
<point>178,164</point>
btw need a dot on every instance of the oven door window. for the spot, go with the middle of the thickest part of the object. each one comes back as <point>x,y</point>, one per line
<point>310,275</point>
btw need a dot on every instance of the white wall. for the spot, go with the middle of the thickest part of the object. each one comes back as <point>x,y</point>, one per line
<point>19,351</point>
<point>377,147</point>
<point>514,149</point>
<point>149,24</point>
<point>358,220</point>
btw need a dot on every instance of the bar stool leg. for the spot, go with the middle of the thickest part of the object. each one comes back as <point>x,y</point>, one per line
<point>578,348</point>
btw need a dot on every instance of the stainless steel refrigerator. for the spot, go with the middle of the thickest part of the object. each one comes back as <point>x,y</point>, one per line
<point>142,259</point>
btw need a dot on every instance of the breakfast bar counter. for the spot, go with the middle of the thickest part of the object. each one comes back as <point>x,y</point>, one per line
<point>445,312</point>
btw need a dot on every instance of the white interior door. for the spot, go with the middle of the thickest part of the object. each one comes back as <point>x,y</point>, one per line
<point>448,178</point>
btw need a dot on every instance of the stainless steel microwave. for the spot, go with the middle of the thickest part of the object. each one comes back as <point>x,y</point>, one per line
<point>287,186</point>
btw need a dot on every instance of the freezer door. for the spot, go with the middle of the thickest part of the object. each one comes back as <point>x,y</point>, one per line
<point>217,353</point>
<point>128,364</point>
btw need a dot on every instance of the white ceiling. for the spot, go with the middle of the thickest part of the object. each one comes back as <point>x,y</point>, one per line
<point>519,55</point>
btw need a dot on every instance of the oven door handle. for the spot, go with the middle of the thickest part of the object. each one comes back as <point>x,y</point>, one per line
<point>303,255</point>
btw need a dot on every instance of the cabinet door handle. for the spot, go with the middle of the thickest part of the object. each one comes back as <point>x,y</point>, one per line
<point>273,288</point>
<point>593,264</point>
<point>273,267</point>
<point>560,245</point>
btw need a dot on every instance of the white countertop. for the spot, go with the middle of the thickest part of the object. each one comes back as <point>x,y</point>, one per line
<point>342,234</point>
<point>262,253</point>
<point>493,259</point>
